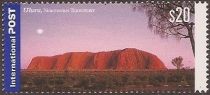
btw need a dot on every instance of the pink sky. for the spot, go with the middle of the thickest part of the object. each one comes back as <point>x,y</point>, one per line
<point>110,27</point>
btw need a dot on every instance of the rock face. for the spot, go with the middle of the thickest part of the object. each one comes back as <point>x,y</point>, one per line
<point>126,59</point>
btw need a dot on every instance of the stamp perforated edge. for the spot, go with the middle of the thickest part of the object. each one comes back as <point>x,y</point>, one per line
<point>208,46</point>
<point>105,2</point>
<point>201,47</point>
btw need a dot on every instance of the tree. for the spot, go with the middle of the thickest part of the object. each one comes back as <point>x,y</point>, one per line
<point>177,62</point>
<point>158,20</point>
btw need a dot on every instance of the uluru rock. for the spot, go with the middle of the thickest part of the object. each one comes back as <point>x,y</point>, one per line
<point>78,60</point>
<point>42,63</point>
<point>126,59</point>
<point>63,61</point>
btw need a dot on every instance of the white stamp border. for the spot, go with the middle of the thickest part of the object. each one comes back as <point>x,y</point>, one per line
<point>200,49</point>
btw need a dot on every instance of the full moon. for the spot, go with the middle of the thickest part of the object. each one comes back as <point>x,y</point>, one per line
<point>40,31</point>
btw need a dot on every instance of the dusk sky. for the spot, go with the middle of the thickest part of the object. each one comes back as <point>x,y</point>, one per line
<point>110,27</point>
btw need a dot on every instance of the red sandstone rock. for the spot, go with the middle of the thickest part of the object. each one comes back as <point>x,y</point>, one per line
<point>126,59</point>
<point>103,60</point>
<point>62,61</point>
<point>42,63</point>
<point>79,60</point>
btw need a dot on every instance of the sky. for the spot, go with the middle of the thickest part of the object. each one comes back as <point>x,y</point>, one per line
<point>109,27</point>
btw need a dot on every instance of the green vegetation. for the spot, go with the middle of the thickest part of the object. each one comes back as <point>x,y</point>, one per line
<point>177,62</point>
<point>107,80</point>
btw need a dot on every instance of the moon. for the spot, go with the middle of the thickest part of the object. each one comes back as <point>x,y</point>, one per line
<point>39,31</point>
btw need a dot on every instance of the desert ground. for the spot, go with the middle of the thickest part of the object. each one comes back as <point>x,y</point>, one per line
<point>108,80</point>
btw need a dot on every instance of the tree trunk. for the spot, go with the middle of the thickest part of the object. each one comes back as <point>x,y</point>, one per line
<point>192,41</point>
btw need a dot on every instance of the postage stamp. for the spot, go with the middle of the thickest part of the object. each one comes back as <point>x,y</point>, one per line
<point>104,47</point>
